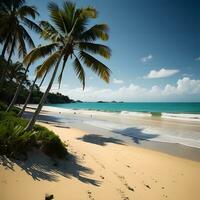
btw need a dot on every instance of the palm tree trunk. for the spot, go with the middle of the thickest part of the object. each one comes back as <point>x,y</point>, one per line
<point>17,91</point>
<point>5,46</point>
<point>43,78</point>
<point>12,48</point>
<point>27,99</point>
<point>2,77</point>
<point>42,101</point>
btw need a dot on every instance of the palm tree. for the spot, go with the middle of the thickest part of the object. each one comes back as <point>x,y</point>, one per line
<point>29,94</point>
<point>70,39</point>
<point>14,72</point>
<point>14,16</point>
<point>3,65</point>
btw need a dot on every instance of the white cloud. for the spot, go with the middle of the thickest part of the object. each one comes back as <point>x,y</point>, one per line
<point>117,81</point>
<point>146,58</point>
<point>185,89</point>
<point>161,73</point>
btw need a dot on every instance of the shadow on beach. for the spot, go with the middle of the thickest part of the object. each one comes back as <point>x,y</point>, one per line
<point>41,167</point>
<point>100,140</point>
<point>136,134</point>
<point>49,119</point>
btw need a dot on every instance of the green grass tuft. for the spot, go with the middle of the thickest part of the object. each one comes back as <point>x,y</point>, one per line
<point>14,141</point>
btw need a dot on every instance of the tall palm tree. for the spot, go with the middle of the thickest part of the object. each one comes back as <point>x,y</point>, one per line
<point>29,94</point>
<point>70,39</point>
<point>14,17</point>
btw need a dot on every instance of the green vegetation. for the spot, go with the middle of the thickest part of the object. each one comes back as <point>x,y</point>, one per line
<point>67,36</point>
<point>9,87</point>
<point>15,142</point>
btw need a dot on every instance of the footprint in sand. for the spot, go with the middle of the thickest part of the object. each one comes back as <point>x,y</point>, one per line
<point>147,186</point>
<point>83,156</point>
<point>124,182</point>
<point>90,195</point>
<point>122,194</point>
<point>100,164</point>
<point>164,195</point>
<point>102,177</point>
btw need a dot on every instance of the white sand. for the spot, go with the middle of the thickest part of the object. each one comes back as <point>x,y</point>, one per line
<point>104,170</point>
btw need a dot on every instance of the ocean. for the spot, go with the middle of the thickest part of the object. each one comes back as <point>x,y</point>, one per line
<point>174,123</point>
<point>190,110</point>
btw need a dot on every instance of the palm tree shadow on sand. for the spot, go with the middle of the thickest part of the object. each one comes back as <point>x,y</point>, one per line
<point>136,134</point>
<point>49,119</point>
<point>41,167</point>
<point>100,140</point>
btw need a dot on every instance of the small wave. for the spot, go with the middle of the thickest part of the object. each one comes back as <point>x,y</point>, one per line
<point>136,114</point>
<point>181,116</point>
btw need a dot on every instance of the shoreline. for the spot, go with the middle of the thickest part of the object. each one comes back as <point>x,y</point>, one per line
<point>177,116</point>
<point>146,132</point>
<point>100,168</point>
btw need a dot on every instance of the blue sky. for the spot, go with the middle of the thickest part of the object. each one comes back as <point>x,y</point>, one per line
<point>155,51</point>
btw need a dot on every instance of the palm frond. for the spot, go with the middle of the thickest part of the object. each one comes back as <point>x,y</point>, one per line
<point>22,46</point>
<point>39,52</point>
<point>17,3</point>
<point>99,31</point>
<point>88,12</point>
<point>26,36</point>
<point>37,68</point>
<point>95,48</point>
<point>49,32</point>
<point>28,11</point>
<point>79,70</point>
<point>62,70</point>
<point>5,5</point>
<point>55,16</point>
<point>48,63</point>
<point>96,66</point>
<point>32,25</point>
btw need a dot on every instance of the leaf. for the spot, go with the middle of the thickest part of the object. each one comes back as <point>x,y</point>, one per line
<point>99,31</point>
<point>78,68</point>
<point>96,66</point>
<point>95,48</point>
<point>48,63</point>
<point>39,52</point>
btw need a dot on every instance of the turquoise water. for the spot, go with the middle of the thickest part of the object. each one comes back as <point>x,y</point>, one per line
<point>135,107</point>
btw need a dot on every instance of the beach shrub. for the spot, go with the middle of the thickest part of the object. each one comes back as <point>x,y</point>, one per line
<point>15,142</point>
<point>3,106</point>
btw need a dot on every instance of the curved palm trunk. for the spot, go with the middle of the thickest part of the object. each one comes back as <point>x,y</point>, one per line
<point>12,48</point>
<point>43,78</point>
<point>40,105</point>
<point>27,99</point>
<point>3,56</point>
<point>2,77</point>
<point>5,46</point>
<point>17,91</point>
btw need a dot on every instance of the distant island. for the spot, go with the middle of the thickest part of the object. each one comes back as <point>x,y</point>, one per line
<point>110,102</point>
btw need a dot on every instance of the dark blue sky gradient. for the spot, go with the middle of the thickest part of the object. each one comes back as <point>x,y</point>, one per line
<point>169,30</point>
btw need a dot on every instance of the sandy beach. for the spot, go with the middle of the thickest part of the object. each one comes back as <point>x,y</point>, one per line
<point>98,168</point>
<point>99,100</point>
